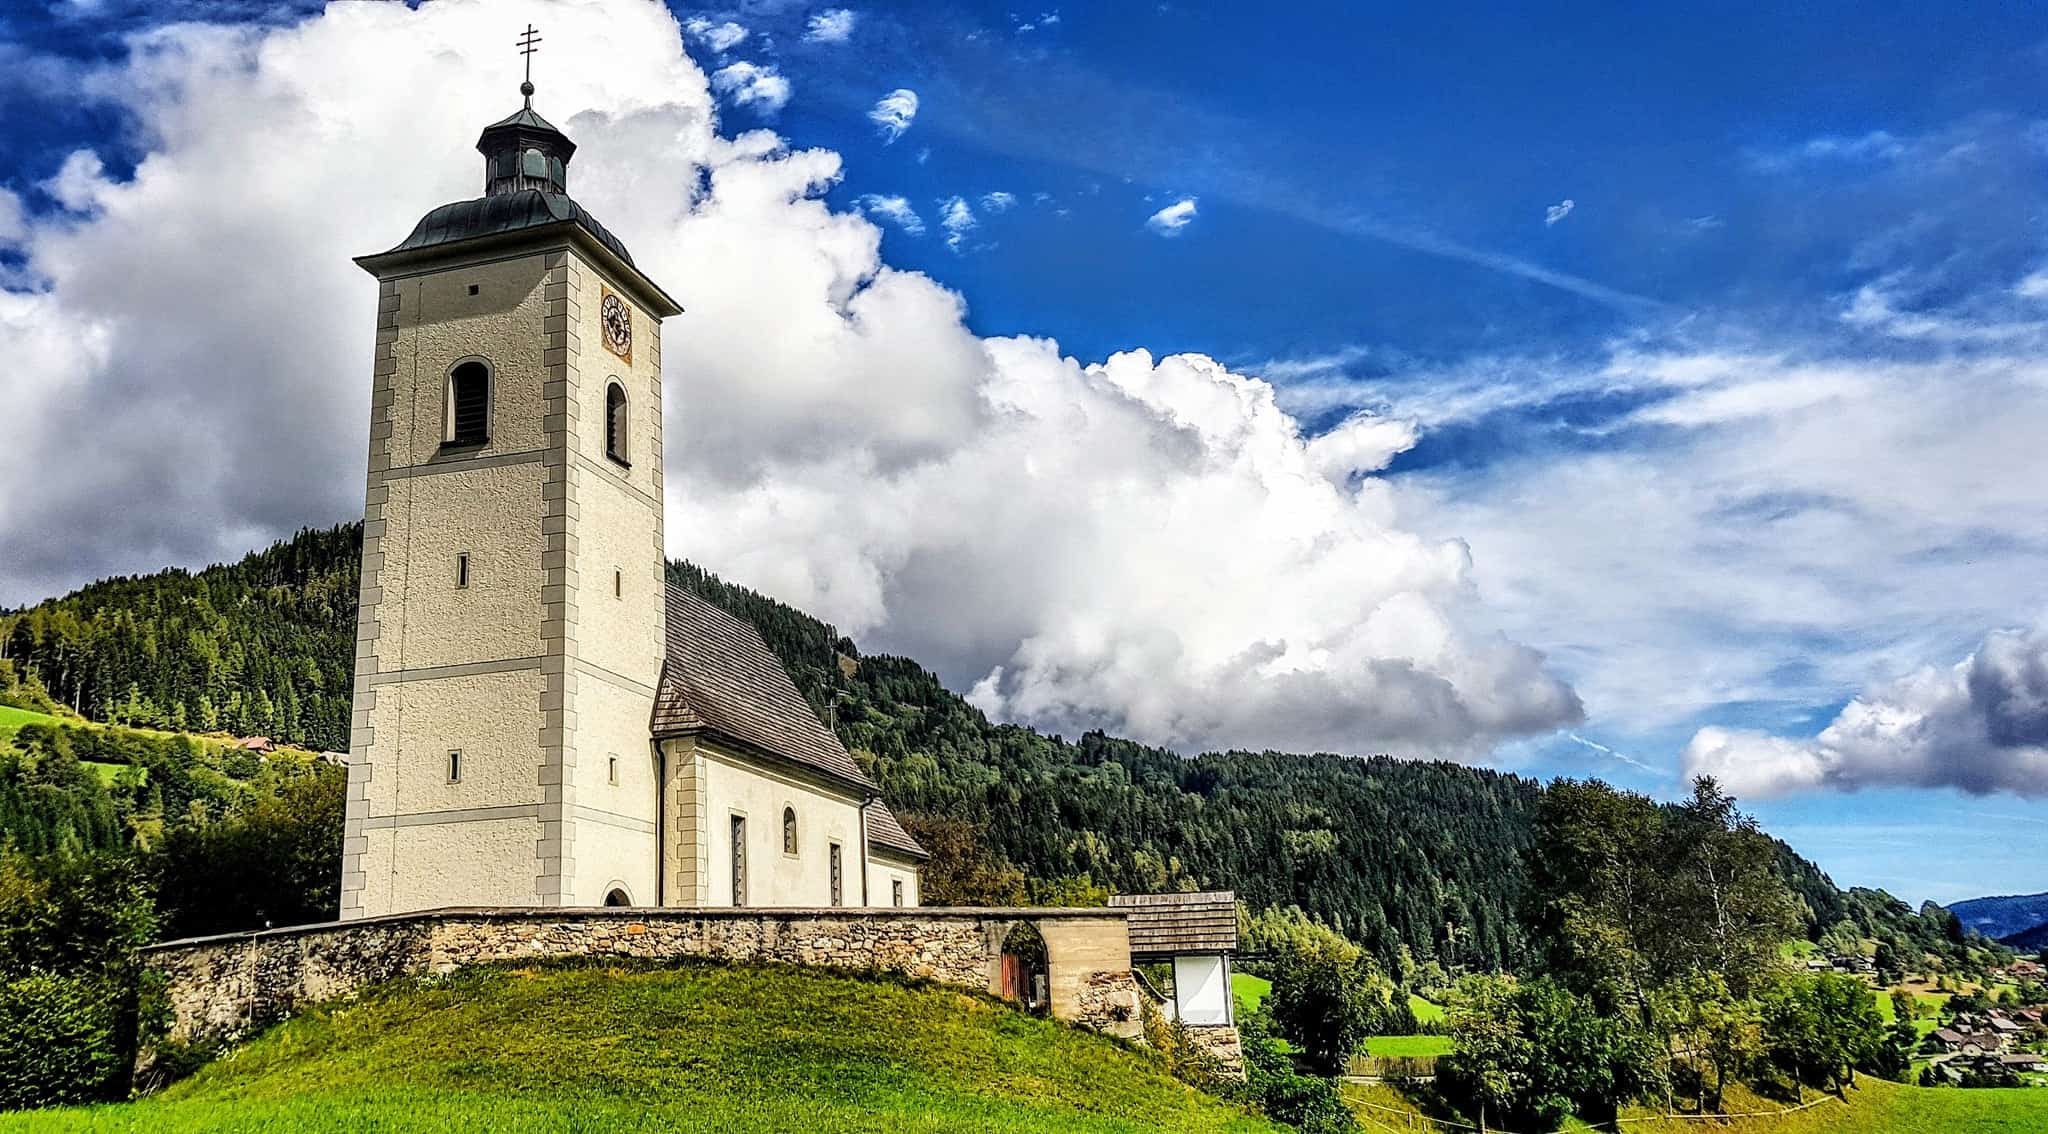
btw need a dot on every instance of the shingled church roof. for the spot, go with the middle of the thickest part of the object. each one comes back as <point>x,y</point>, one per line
<point>885,831</point>
<point>720,677</point>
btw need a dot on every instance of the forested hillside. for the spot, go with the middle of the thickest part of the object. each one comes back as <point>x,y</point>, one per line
<point>2004,915</point>
<point>1423,855</point>
<point>263,647</point>
<point>1392,852</point>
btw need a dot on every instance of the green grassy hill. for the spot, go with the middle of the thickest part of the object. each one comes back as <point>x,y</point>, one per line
<point>1873,1106</point>
<point>11,720</point>
<point>693,1048</point>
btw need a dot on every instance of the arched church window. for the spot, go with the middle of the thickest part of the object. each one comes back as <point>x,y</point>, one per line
<point>617,897</point>
<point>469,404</point>
<point>615,423</point>
<point>789,830</point>
<point>534,164</point>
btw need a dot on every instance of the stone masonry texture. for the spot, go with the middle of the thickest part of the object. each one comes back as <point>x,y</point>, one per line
<point>223,988</point>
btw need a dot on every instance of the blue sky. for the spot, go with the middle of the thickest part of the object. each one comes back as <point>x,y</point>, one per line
<point>1711,336</point>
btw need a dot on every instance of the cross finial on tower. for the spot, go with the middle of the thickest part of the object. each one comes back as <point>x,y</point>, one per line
<point>527,41</point>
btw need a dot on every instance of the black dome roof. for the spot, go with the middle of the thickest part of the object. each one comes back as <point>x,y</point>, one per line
<point>506,212</point>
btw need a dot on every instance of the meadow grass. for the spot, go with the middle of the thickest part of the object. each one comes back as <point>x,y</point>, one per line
<point>11,720</point>
<point>1406,1047</point>
<point>1873,1106</point>
<point>1426,1012</point>
<point>1249,990</point>
<point>556,1050</point>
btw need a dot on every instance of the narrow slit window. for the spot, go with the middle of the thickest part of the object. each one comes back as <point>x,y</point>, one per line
<point>615,423</point>
<point>618,583</point>
<point>789,830</point>
<point>896,891</point>
<point>838,877</point>
<point>462,568</point>
<point>739,860</point>
<point>469,404</point>
<point>612,771</point>
<point>454,766</point>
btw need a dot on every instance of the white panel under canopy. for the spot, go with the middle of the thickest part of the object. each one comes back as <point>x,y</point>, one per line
<point>1201,988</point>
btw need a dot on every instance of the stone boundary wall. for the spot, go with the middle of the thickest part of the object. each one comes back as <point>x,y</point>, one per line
<point>222,988</point>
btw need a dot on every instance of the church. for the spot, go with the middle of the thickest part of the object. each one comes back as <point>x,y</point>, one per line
<point>540,718</point>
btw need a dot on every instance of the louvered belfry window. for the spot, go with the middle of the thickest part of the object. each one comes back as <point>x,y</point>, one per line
<point>615,423</point>
<point>469,404</point>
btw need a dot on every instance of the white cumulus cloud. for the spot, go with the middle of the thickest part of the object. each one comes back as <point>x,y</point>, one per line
<point>720,37</point>
<point>833,25</point>
<point>893,113</point>
<point>1171,219</point>
<point>1143,544</point>
<point>1980,725</point>
<point>752,84</point>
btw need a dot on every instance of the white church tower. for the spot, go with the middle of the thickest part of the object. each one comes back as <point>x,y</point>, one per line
<point>511,635</point>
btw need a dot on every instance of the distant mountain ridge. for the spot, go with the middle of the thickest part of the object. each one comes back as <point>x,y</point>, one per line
<point>2029,940</point>
<point>2004,915</point>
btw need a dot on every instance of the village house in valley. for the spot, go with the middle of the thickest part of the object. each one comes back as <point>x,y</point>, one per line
<point>540,719</point>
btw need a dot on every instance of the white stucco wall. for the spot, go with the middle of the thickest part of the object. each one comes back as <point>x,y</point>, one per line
<point>732,786</point>
<point>492,515</point>
<point>884,869</point>
<point>492,718</point>
<point>615,822</point>
<point>486,862</point>
<point>440,323</point>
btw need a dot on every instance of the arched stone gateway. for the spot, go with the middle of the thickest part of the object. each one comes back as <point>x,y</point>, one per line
<point>1020,967</point>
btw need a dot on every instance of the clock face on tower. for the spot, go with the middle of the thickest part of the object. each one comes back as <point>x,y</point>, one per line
<point>618,325</point>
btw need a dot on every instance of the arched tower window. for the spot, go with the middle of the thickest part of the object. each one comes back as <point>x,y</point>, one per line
<point>615,423</point>
<point>789,830</point>
<point>469,404</point>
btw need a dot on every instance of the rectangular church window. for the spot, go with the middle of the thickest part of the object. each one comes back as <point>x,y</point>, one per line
<point>896,891</point>
<point>462,568</point>
<point>739,860</point>
<point>838,878</point>
<point>455,766</point>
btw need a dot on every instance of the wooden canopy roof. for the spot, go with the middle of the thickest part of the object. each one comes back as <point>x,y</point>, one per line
<point>1163,925</point>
